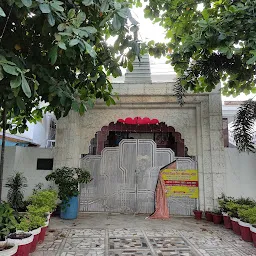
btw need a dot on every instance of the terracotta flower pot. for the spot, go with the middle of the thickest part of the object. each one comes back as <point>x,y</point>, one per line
<point>42,233</point>
<point>198,214</point>
<point>11,249</point>
<point>24,244</point>
<point>253,233</point>
<point>227,221</point>
<point>36,233</point>
<point>245,231</point>
<point>217,218</point>
<point>208,216</point>
<point>235,226</point>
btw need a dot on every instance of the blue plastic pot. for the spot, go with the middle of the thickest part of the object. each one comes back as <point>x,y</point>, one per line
<point>70,211</point>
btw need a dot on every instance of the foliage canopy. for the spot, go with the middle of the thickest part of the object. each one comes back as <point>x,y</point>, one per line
<point>209,41</point>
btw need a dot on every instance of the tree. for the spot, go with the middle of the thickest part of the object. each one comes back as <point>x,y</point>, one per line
<point>244,125</point>
<point>56,52</point>
<point>209,41</point>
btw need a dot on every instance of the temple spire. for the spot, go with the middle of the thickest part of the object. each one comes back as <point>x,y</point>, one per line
<point>141,71</point>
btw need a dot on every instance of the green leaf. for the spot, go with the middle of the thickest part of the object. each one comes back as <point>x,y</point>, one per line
<point>87,2</point>
<point>251,61</point>
<point>53,54</point>
<point>90,50</point>
<point>117,6</point>
<point>27,3</point>
<point>1,73</point>
<point>57,6</point>
<point>25,86</point>
<point>20,103</point>
<point>51,19</point>
<point>81,16</point>
<point>15,82</point>
<point>62,27</point>
<point>62,45</point>
<point>73,42</point>
<point>105,5</point>
<point>123,13</point>
<point>130,66</point>
<point>90,29</point>
<point>116,22</point>
<point>71,13</point>
<point>10,69</point>
<point>75,106</point>
<point>205,14</point>
<point>45,8</point>
<point>2,13</point>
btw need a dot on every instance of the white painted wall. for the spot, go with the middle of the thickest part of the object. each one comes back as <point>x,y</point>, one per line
<point>240,176</point>
<point>24,159</point>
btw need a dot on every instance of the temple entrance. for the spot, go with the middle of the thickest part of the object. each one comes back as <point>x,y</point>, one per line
<point>138,128</point>
<point>125,177</point>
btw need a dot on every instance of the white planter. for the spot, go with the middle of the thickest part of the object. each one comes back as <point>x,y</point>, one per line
<point>253,229</point>
<point>244,224</point>
<point>24,241</point>
<point>2,243</point>
<point>11,251</point>
<point>234,219</point>
<point>35,231</point>
<point>46,223</point>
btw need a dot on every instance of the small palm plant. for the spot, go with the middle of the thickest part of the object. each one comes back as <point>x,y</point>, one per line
<point>16,184</point>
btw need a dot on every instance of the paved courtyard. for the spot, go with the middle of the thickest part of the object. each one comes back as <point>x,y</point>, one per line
<point>97,234</point>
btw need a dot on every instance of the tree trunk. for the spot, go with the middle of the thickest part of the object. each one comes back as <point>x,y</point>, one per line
<point>2,150</point>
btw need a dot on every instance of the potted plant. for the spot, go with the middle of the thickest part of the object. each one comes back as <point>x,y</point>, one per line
<point>247,217</point>
<point>233,213</point>
<point>223,200</point>
<point>198,214</point>
<point>7,225</point>
<point>67,179</point>
<point>32,223</point>
<point>16,184</point>
<point>217,216</point>
<point>23,240</point>
<point>208,216</point>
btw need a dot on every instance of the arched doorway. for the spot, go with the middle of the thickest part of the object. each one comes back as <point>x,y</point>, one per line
<point>163,135</point>
<point>125,160</point>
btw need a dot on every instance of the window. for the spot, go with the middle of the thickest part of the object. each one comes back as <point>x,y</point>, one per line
<point>44,164</point>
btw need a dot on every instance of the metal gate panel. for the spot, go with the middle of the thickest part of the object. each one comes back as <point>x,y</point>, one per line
<point>125,177</point>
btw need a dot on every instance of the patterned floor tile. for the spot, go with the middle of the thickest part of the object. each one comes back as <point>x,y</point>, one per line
<point>168,243</point>
<point>125,232</point>
<point>130,253</point>
<point>162,233</point>
<point>127,243</point>
<point>83,253</point>
<point>80,244</point>
<point>86,233</point>
<point>49,245</point>
<point>221,252</point>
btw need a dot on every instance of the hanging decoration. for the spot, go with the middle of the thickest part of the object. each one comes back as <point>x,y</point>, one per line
<point>138,120</point>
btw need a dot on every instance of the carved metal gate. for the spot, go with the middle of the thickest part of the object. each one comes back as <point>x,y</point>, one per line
<point>125,177</point>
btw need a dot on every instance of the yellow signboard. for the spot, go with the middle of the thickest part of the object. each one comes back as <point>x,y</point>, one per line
<point>181,183</point>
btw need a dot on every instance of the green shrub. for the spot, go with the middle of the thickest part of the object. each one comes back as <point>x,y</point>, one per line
<point>245,201</point>
<point>8,221</point>
<point>45,198</point>
<point>247,214</point>
<point>223,200</point>
<point>232,209</point>
<point>30,222</point>
<point>37,211</point>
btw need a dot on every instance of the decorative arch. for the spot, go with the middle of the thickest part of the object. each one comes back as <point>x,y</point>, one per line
<point>153,126</point>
